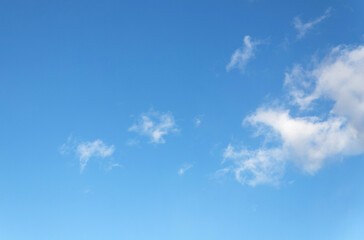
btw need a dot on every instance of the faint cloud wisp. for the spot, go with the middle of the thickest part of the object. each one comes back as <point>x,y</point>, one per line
<point>303,28</point>
<point>87,150</point>
<point>185,168</point>
<point>242,55</point>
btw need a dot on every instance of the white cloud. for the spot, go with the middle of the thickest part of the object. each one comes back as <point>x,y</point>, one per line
<point>309,140</point>
<point>87,150</point>
<point>183,169</point>
<point>339,77</point>
<point>97,148</point>
<point>242,55</point>
<point>255,167</point>
<point>302,28</point>
<point>154,125</point>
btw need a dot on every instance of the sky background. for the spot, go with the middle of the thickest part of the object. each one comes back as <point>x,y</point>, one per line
<point>145,120</point>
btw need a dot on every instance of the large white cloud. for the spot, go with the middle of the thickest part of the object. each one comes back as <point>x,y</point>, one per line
<point>306,139</point>
<point>339,77</point>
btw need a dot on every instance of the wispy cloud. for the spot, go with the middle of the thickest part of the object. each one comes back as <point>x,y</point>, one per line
<point>87,150</point>
<point>303,28</point>
<point>132,142</point>
<point>96,148</point>
<point>197,120</point>
<point>183,169</point>
<point>67,147</point>
<point>155,126</point>
<point>255,167</point>
<point>308,140</point>
<point>113,165</point>
<point>242,55</point>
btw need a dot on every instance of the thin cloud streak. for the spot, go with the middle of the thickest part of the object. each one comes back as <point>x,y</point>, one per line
<point>242,55</point>
<point>183,169</point>
<point>303,28</point>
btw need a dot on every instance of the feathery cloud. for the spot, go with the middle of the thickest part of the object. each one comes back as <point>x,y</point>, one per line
<point>242,55</point>
<point>183,169</point>
<point>87,150</point>
<point>96,148</point>
<point>255,167</point>
<point>302,28</point>
<point>154,125</point>
<point>308,140</point>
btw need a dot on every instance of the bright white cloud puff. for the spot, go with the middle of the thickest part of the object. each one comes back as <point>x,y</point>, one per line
<point>155,126</point>
<point>307,140</point>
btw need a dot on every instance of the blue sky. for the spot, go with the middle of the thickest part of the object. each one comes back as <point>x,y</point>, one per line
<point>239,119</point>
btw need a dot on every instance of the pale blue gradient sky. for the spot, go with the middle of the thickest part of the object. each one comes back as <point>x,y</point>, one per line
<point>89,70</point>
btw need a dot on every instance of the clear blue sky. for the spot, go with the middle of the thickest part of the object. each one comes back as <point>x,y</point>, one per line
<point>142,120</point>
